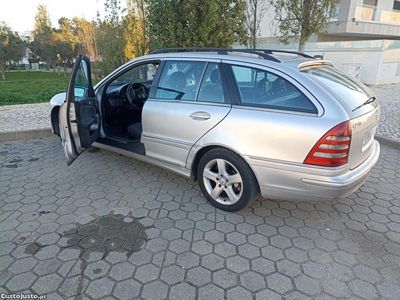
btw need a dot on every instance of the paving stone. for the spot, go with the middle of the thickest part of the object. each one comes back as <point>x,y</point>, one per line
<point>155,290</point>
<point>47,284</point>
<point>21,282</point>
<point>96,269</point>
<point>279,283</point>
<point>363,289</point>
<point>252,281</point>
<point>147,273</point>
<point>238,264</point>
<point>288,268</point>
<point>307,285</point>
<point>100,287</point>
<point>172,274</point>
<point>225,278</point>
<point>127,289</point>
<point>47,266</point>
<point>188,260</point>
<point>211,292</point>
<point>239,293</point>
<point>198,276</point>
<point>335,288</point>
<point>182,291</point>
<point>23,265</point>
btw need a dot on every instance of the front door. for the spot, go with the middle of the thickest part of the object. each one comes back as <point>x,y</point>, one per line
<point>79,116</point>
<point>188,100</point>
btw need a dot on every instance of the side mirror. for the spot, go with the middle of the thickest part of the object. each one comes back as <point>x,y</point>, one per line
<point>79,92</point>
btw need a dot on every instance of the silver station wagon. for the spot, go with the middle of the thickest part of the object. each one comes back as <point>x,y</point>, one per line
<point>239,122</point>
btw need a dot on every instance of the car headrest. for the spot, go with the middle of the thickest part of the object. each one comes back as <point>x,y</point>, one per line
<point>177,80</point>
<point>214,76</point>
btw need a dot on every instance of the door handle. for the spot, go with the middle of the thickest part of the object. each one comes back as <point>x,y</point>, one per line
<point>200,115</point>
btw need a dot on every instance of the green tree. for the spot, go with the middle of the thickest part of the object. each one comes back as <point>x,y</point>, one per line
<point>12,48</point>
<point>301,18</point>
<point>196,23</point>
<point>87,33</point>
<point>111,38</point>
<point>65,44</point>
<point>43,44</point>
<point>135,31</point>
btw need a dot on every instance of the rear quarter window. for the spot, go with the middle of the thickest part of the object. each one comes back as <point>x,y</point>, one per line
<point>339,84</point>
<point>267,90</point>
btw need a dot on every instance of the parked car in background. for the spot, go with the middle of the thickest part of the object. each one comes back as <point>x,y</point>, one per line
<point>239,122</point>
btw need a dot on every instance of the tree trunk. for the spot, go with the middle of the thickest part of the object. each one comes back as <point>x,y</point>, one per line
<point>302,44</point>
<point>3,74</point>
<point>254,29</point>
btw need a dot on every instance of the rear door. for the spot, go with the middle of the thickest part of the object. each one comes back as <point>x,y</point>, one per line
<point>359,102</point>
<point>187,100</point>
<point>79,116</point>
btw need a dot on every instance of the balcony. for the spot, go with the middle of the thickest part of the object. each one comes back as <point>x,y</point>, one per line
<point>377,14</point>
<point>352,19</point>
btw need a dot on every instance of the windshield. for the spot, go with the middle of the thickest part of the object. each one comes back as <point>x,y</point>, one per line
<point>340,85</point>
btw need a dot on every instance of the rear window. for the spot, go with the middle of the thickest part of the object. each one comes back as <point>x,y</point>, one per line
<point>341,85</point>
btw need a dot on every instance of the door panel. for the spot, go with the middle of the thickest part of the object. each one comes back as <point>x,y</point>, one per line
<point>79,115</point>
<point>171,128</point>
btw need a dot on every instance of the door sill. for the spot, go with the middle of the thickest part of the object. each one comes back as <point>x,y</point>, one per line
<point>142,157</point>
<point>133,146</point>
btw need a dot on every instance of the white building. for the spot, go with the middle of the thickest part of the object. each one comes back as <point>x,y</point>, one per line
<point>363,39</point>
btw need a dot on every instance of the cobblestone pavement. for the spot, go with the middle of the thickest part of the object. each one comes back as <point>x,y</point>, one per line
<point>389,97</point>
<point>24,117</point>
<point>112,227</point>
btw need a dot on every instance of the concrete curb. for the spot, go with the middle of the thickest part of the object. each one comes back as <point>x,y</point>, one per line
<point>25,134</point>
<point>388,142</point>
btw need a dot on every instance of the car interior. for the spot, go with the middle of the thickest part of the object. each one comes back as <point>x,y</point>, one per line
<point>122,105</point>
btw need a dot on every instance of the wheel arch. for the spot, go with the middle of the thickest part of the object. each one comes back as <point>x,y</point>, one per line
<point>200,153</point>
<point>54,119</point>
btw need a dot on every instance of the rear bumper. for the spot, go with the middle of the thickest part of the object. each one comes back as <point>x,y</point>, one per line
<point>300,182</point>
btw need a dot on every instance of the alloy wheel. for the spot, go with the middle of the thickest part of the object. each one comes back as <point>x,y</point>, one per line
<point>222,181</point>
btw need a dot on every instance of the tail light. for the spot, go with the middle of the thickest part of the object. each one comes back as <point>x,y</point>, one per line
<point>332,150</point>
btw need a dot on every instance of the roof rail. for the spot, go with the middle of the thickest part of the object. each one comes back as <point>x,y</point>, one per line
<point>264,53</point>
<point>270,51</point>
<point>224,51</point>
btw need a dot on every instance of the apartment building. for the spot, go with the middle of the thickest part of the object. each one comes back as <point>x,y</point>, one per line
<point>362,38</point>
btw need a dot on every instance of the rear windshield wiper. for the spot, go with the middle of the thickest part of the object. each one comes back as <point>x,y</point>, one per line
<point>370,100</point>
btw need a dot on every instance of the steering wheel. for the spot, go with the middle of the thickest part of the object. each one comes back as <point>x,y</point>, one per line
<point>137,94</point>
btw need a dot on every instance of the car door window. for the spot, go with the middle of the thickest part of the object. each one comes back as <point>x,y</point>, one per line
<point>81,82</point>
<point>211,86</point>
<point>140,74</point>
<point>180,80</point>
<point>264,89</point>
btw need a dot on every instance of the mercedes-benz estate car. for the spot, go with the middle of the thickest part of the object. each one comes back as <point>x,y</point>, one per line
<point>239,122</point>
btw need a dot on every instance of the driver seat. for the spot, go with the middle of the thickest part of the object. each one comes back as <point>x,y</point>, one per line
<point>135,130</point>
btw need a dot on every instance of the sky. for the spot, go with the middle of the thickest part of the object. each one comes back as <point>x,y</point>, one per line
<point>20,14</point>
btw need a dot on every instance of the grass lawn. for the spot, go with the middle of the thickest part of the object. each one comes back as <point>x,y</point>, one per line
<point>31,87</point>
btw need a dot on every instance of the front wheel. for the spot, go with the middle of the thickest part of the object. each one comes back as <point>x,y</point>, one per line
<point>226,180</point>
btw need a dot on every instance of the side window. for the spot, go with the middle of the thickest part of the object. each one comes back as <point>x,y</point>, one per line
<point>140,74</point>
<point>264,89</point>
<point>81,83</point>
<point>211,86</point>
<point>180,80</point>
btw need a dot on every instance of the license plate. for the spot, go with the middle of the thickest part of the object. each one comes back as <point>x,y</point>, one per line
<point>367,137</point>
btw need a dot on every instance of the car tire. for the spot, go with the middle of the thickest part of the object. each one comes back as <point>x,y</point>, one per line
<point>226,180</point>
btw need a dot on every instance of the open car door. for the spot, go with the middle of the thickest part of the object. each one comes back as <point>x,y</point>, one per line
<point>79,116</point>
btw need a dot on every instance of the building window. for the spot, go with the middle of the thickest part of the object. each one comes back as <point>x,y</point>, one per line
<point>370,2</point>
<point>396,5</point>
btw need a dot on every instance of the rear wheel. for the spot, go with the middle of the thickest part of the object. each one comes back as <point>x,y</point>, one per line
<point>226,180</point>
